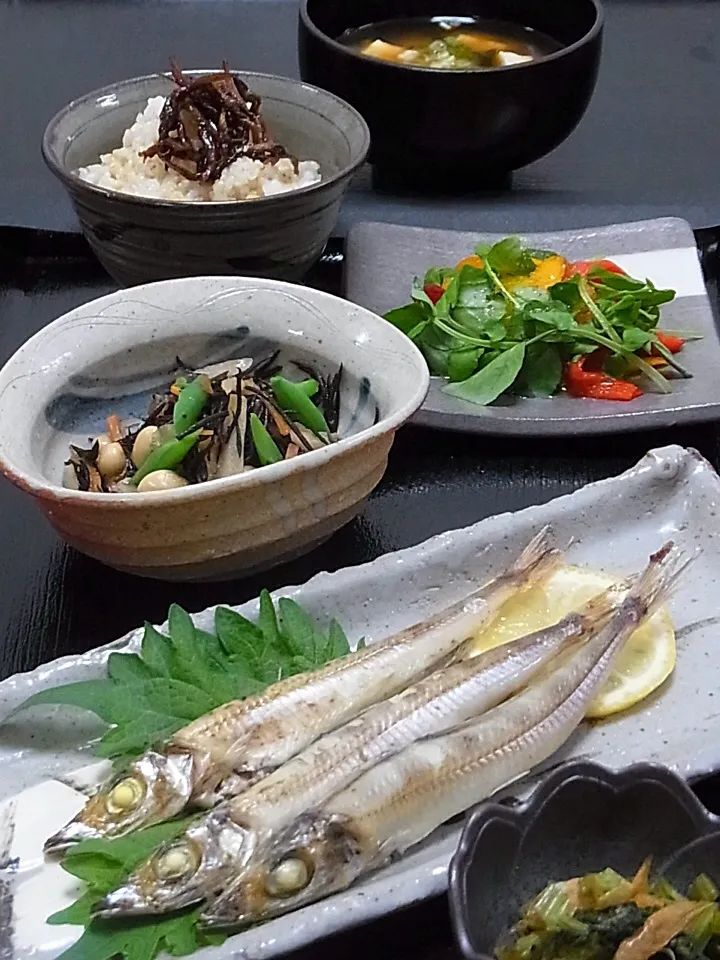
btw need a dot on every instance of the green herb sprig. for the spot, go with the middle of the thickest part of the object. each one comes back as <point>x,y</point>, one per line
<point>488,337</point>
<point>103,865</point>
<point>175,679</point>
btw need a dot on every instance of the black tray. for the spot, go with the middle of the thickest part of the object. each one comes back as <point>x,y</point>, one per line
<point>55,601</point>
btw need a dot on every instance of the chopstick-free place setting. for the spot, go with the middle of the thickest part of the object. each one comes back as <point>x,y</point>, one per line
<point>274,763</point>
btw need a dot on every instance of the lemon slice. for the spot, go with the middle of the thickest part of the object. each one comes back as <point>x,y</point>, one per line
<point>646,661</point>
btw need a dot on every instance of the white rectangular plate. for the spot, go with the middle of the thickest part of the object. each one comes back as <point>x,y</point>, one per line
<point>383,259</point>
<point>614,525</point>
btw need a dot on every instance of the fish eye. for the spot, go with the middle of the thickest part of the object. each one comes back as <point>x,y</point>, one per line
<point>125,796</point>
<point>178,861</point>
<point>290,876</point>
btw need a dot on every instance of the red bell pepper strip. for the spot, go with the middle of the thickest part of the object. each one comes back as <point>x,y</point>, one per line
<point>434,291</point>
<point>583,267</point>
<point>671,343</point>
<point>597,386</point>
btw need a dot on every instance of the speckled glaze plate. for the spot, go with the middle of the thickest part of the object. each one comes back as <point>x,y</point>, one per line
<point>613,524</point>
<point>383,259</point>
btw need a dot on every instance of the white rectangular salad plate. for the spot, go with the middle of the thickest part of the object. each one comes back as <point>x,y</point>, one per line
<point>614,525</point>
<point>382,259</point>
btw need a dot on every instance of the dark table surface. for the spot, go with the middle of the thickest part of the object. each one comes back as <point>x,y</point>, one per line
<point>648,146</point>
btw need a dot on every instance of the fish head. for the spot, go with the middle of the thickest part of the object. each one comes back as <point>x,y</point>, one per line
<point>315,857</point>
<point>183,871</point>
<point>154,788</point>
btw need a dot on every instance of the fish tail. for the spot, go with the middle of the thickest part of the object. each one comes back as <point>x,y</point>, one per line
<point>599,609</point>
<point>659,578</point>
<point>537,558</point>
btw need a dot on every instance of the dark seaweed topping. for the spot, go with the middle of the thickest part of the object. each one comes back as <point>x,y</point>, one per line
<point>209,122</point>
<point>220,424</point>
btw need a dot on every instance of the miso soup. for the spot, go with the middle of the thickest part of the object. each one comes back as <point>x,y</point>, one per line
<point>450,43</point>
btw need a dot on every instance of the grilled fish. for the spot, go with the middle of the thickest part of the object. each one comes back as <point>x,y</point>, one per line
<point>401,800</point>
<point>241,742</point>
<point>214,851</point>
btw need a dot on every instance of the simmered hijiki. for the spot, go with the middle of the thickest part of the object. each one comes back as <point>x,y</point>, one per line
<point>206,141</point>
<point>211,424</point>
<point>604,915</point>
<point>511,320</point>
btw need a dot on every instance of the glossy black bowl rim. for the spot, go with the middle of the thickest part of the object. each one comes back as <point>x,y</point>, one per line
<point>573,769</point>
<point>343,50</point>
<point>72,180</point>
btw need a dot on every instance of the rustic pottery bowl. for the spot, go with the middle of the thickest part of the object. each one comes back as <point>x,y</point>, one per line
<point>110,355</point>
<point>460,126</point>
<point>139,239</point>
<point>581,819</point>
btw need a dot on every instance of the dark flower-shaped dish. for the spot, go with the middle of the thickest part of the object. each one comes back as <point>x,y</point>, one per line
<point>581,819</point>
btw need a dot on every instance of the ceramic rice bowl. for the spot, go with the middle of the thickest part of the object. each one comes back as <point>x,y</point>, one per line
<point>140,239</point>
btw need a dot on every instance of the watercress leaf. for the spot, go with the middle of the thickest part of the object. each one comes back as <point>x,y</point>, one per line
<point>617,366</point>
<point>470,277</point>
<point>635,339</point>
<point>531,295</point>
<point>495,331</point>
<point>407,318</point>
<point>478,293</point>
<point>492,380</point>
<point>437,360</point>
<point>475,295</point>
<point>537,254</point>
<point>509,256</point>
<point>438,275</point>
<point>463,363</point>
<point>658,297</point>
<point>474,318</point>
<point>555,315</point>
<point>567,292</point>
<point>541,371</point>
<point>418,330</point>
<point>448,300</point>
<point>615,281</point>
<point>433,336</point>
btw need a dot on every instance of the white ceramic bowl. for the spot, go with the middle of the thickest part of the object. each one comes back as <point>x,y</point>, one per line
<point>111,354</point>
